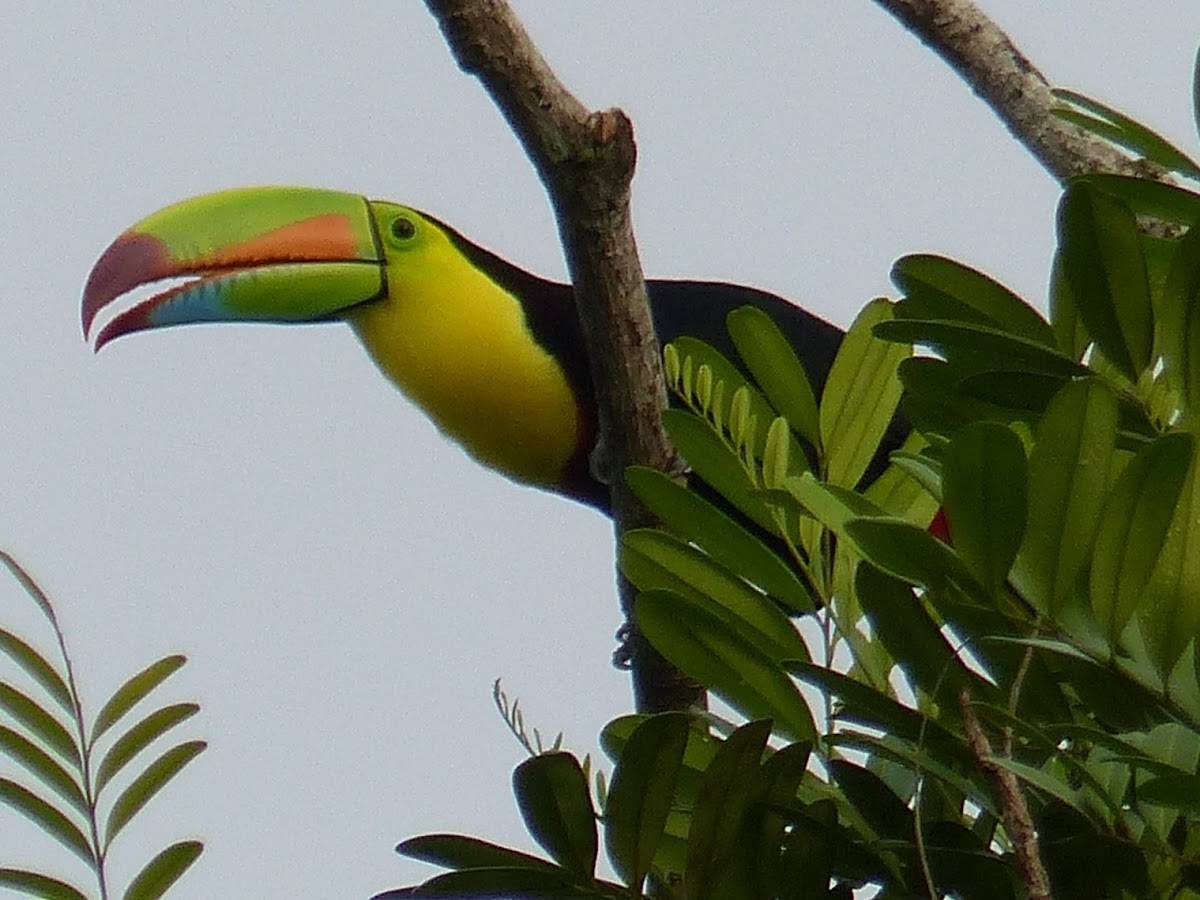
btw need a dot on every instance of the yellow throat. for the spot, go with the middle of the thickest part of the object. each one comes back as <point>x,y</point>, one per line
<point>460,347</point>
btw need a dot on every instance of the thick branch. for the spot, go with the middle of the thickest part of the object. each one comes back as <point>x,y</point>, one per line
<point>975,47</point>
<point>586,161</point>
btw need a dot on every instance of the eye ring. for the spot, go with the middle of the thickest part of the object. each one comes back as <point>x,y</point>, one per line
<point>403,229</point>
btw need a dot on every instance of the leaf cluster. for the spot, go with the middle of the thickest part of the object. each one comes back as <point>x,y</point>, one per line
<point>72,770</point>
<point>1027,568</point>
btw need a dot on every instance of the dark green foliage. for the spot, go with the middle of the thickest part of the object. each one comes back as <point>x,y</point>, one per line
<point>44,732</point>
<point>1056,599</point>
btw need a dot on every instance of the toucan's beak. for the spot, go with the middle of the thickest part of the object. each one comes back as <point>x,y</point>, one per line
<point>270,254</point>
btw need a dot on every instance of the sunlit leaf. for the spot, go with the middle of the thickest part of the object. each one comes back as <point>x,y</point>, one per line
<point>46,817</point>
<point>36,885</point>
<point>773,363</point>
<point>1169,615</point>
<point>1068,479</point>
<point>1175,315</point>
<point>37,667</point>
<point>1101,256</point>
<point>984,484</point>
<point>708,650</point>
<point>654,560</point>
<point>133,690</point>
<point>980,348</point>
<point>552,792</point>
<point>141,735</point>
<point>1133,529</point>
<point>860,396</point>
<point>143,788</point>
<point>41,764</point>
<point>907,552</point>
<point>641,794</point>
<point>716,464</point>
<point>935,286</point>
<point>695,519</point>
<point>166,868</point>
<point>39,722</point>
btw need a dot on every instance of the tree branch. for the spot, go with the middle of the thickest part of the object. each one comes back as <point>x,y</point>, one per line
<point>1017,92</point>
<point>1017,820</point>
<point>586,161</point>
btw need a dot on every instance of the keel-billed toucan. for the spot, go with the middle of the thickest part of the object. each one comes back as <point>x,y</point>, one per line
<point>493,354</point>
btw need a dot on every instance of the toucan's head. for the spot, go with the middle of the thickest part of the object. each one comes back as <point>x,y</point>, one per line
<point>272,254</point>
<point>491,353</point>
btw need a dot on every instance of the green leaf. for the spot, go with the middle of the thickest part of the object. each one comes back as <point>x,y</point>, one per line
<point>1175,316</point>
<point>939,288</point>
<point>1149,198</point>
<point>46,817</point>
<point>860,396</point>
<point>773,363</point>
<point>143,788</point>
<point>158,875</point>
<point>984,481</point>
<point>779,784</point>
<point>39,722</point>
<point>1045,782</point>
<point>886,813</point>
<point>509,883</point>
<point>456,851</point>
<point>695,519</point>
<point>642,793</point>
<point>133,690</point>
<point>1179,791</point>
<point>36,885</point>
<point>1133,529</point>
<point>726,797</point>
<point>700,355</point>
<point>1101,256</point>
<point>36,594</point>
<point>980,348</point>
<point>867,706</point>
<point>1068,479</point>
<point>141,735</point>
<point>708,650</point>
<point>38,668</point>
<point>1115,126</point>
<point>654,560</point>
<point>900,621</point>
<point>41,764</point>
<point>552,792</point>
<point>1169,614</point>
<point>909,553</point>
<point>717,464</point>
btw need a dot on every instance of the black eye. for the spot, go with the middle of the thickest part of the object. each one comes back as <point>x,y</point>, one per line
<point>403,229</point>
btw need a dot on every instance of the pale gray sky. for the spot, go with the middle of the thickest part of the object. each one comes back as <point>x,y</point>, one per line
<point>346,583</point>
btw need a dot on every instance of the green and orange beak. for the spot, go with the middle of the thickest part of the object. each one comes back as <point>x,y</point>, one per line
<point>272,254</point>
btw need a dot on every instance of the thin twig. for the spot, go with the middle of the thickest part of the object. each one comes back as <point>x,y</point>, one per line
<point>586,161</point>
<point>1004,78</point>
<point>1017,820</point>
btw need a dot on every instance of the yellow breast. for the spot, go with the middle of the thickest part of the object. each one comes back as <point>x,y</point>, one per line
<point>459,346</point>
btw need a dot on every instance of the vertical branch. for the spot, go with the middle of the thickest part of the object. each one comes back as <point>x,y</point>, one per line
<point>586,161</point>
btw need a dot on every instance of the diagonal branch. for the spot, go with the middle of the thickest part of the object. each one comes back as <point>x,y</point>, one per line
<point>1017,92</point>
<point>586,161</point>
